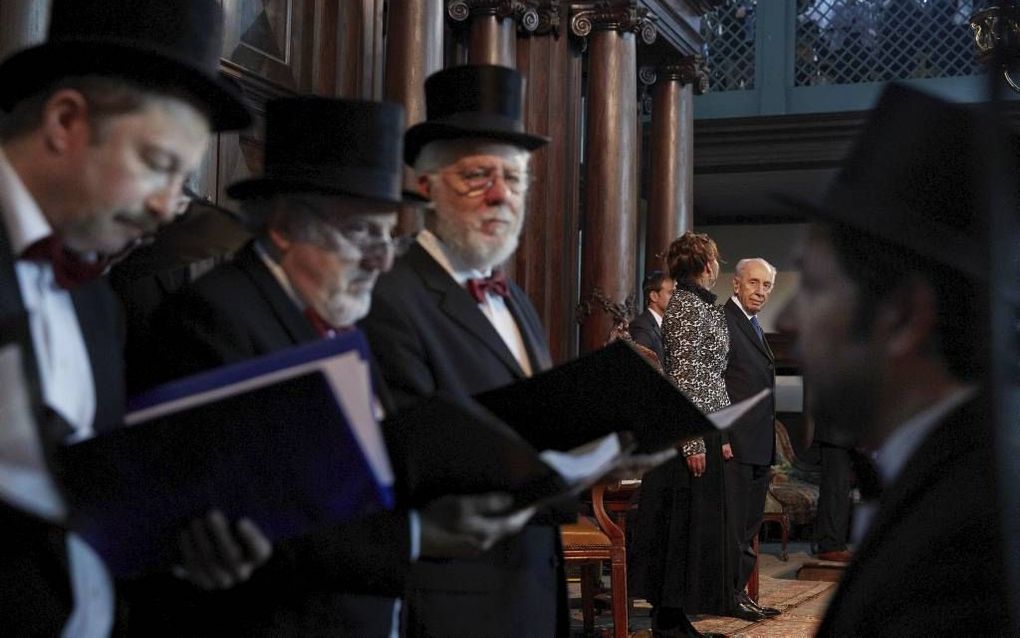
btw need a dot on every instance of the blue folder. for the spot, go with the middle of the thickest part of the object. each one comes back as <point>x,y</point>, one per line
<point>283,455</point>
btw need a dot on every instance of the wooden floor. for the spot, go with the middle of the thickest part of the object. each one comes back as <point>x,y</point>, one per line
<point>802,602</point>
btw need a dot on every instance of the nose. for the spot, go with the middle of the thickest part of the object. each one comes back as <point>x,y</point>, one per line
<point>378,256</point>
<point>498,191</point>
<point>168,202</point>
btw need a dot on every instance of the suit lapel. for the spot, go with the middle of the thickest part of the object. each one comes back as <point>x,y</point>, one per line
<point>458,305</point>
<point>534,342</point>
<point>283,307</point>
<point>745,326</point>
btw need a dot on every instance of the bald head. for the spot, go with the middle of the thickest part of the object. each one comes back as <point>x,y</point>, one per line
<point>753,280</point>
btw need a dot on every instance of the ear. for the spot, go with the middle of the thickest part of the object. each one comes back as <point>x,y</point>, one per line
<point>281,241</point>
<point>424,186</point>
<point>736,284</point>
<point>908,319</point>
<point>65,121</point>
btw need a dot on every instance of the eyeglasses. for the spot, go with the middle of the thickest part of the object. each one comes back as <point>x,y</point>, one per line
<point>473,182</point>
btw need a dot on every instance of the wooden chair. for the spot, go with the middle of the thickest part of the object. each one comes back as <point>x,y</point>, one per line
<point>590,542</point>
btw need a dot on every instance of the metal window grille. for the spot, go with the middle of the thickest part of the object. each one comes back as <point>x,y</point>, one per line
<point>729,34</point>
<point>852,41</point>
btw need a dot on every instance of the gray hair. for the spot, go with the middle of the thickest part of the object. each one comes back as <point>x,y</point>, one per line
<point>744,263</point>
<point>439,153</point>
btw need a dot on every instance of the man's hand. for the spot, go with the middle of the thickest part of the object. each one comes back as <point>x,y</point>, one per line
<point>464,526</point>
<point>218,557</point>
<point>727,452</point>
<point>696,464</point>
<point>634,465</point>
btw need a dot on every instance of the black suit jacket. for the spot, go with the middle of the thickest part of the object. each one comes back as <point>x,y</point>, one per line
<point>235,312</point>
<point>932,562</point>
<point>430,336</point>
<point>749,370</point>
<point>645,331</point>
<point>35,591</point>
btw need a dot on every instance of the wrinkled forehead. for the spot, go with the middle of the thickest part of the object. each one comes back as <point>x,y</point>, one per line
<point>472,152</point>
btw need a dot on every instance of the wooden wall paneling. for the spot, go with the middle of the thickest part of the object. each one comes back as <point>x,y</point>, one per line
<point>546,263</point>
<point>326,47</point>
<point>360,49</point>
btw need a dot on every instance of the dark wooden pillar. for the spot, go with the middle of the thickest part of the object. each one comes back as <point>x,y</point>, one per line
<point>492,28</point>
<point>22,24</point>
<point>547,263</point>
<point>414,51</point>
<point>608,268</point>
<point>671,192</point>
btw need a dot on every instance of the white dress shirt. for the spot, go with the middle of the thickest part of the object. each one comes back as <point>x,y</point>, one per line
<point>493,306</point>
<point>892,457</point>
<point>68,388</point>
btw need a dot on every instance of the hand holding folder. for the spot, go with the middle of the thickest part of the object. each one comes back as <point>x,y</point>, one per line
<point>288,440</point>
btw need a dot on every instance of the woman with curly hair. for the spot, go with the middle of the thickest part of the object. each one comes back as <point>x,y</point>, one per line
<point>680,560</point>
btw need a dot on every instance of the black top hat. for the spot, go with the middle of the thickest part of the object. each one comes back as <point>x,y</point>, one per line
<point>159,43</point>
<point>916,178</point>
<point>332,147</point>
<point>472,101</point>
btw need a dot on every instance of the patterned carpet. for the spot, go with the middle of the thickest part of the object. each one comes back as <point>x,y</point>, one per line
<point>803,604</point>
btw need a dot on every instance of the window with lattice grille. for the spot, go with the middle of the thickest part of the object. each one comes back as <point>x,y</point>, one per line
<point>853,41</point>
<point>729,34</point>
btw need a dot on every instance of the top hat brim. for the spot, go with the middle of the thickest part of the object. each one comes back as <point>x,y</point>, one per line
<point>421,134</point>
<point>265,187</point>
<point>32,70</point>
<point>941,245</point>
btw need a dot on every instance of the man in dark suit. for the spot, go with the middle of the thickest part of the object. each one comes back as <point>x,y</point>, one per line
<point>646,328</point>
<point>102,124</point>
<point>892,328</point>
<point>322,215</point>
<point>749,370</point>
<point>445,320</point>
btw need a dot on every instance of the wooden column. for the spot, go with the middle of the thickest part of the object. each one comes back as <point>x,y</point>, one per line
<point>492,28</point>
<point>22,24</point>
<point>608,268</point>
<point>414,51</point>
<point>671,192</point>
<point>547,262</point>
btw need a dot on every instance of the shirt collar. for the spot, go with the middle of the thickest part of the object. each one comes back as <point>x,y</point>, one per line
<point>656,316</point>
<point>901,445</point>
<point>741,306</point>
<point>22,216</point>
<point>279,274</point>
<point>450,262</point>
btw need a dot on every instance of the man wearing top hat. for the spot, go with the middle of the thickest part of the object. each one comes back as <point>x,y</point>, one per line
<point>891,329</point>
<point>445,320</point>
<point>322,216</point>
<point>102,124</point>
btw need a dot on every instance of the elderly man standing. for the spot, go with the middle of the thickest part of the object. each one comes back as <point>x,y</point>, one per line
<point>103,123</point>
<point>890,326</point>
<point>749,370</point>
<point>322,215</point>
<point>446,320</point>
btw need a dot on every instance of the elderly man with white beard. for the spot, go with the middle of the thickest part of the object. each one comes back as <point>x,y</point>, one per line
<point>446,320</point>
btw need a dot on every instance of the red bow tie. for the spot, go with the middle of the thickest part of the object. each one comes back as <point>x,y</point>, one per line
<point>322,327</point>
<point>494,283</point>
<point>69,269</point>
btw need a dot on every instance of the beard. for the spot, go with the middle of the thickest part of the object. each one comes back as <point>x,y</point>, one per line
<point>475,249</point>
<point>345,309</point>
